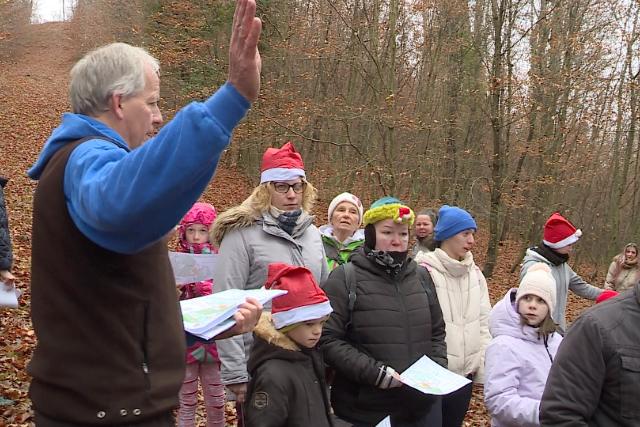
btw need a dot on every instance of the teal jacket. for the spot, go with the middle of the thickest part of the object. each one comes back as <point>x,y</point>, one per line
<point>338,253</point>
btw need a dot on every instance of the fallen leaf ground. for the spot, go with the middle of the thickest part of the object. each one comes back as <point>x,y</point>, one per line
<point>33,83</point>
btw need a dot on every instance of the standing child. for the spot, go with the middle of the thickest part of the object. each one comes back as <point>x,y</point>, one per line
<point>287,387</point>
<point>202,356</point>
<point>521,352</point>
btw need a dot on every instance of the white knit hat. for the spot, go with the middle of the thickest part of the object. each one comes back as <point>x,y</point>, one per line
<point>346,197</point>
<point>538,281</point>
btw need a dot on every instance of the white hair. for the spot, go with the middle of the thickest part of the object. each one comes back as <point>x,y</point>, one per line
<point>117,68</point>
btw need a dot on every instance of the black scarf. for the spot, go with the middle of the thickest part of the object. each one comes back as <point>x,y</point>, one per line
<point>287,220</point>
<point>552,256</point>
<point>391,262</point>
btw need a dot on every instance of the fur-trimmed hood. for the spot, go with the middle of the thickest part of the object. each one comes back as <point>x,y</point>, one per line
<point>270,344</point>
<point>243,216</point>
<point>240,216</point>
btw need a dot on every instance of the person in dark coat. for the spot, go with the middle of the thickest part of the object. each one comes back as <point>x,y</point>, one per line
<point>6,254</point>
<point>595,376</point>
<point>395,320</point>
<point>287,387</point>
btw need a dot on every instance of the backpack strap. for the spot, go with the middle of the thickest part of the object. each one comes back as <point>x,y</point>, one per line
<point>427,284</point>
<point>350,281</point>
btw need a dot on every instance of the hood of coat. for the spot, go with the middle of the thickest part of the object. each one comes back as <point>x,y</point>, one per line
<point>243,216</point>
<point>237,217</point>
<point>531,255</point>
<point>505,320</point>
<point>440,261</point>
<point>72,128</point>
<point>327,234</point>
<point>269,344</point>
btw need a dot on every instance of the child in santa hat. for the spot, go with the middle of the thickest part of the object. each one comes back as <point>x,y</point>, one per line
<point>287,387</point>
<point>519,357</point>
<point>558,239</point>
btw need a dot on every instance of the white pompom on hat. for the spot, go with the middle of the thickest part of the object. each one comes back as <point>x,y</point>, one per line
<point>538,281</point>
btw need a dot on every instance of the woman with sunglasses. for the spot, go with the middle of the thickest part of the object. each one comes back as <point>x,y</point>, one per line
<point>272,225</point>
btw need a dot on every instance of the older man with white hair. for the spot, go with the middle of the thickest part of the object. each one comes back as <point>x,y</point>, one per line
<point>110,345</point>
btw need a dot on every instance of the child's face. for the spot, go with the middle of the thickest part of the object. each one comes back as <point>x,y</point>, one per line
<point>308,333</point>
<point>533,309</point>
<point>197,233</point>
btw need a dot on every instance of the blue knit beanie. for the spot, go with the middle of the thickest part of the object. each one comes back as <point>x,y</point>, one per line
<point>451,221</point>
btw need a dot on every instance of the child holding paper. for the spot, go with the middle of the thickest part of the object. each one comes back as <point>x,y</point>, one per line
<point>287,387</point>
<point>519,356</point>
<point>202,356</point>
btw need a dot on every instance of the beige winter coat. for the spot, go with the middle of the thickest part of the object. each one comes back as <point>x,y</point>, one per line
<point>464,299</point>
<point>619,278</point>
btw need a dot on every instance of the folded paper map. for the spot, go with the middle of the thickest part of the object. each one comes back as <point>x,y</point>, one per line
<point>210,315</point>
<point>191,268</point>
<point>430,378</point>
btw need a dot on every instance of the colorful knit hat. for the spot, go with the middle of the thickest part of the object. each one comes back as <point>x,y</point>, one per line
<point>451,221</point>
<point>281,164</point>
<point>304,299</point>
<point>559,232</point>
<point>389,208</point>
<point>346,197</point>
<point>538,281</point>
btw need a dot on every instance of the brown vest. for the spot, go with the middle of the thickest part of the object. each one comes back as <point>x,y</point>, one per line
<point>110,340</point>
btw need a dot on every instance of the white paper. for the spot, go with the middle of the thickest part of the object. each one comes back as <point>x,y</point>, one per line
<point>8,296</point>
<point>210,315</point>
<point>385,423</point>
<point>191,268</point>
<point>430,378</point>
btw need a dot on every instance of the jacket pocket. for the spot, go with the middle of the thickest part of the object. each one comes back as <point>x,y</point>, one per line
<point>629,380</point>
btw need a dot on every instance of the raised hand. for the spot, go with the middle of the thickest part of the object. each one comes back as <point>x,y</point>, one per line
<point>244,58</point>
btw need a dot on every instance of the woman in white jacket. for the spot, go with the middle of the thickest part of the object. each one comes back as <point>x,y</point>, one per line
<point>464,299</point>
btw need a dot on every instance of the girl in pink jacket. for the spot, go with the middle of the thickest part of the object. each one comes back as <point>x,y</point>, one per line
<point>203,362</point>
<point>519,356</point>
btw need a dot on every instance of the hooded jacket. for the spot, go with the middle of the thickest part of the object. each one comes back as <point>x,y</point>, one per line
<point>392,324</point>
<point>517,363</point>
<point>123,200</point>
<point>464,299</point>
<point>287,387</point>
<point>566,279</point>
<point>595,377</point>
<point>339,252</point>
<point>6,254</point>
<point>248,245</point>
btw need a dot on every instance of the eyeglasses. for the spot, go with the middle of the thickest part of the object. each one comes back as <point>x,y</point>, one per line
<point>283,187</point>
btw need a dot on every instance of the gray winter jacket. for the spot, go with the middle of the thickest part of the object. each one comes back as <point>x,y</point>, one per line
<point>249,245</point>
<point>6,256</point>
<point>566,279</point>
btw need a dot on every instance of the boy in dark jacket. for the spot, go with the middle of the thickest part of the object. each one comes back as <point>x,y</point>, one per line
<point>287,385</point>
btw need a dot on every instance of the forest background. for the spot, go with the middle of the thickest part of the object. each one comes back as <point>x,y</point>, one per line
<point>512,109</point>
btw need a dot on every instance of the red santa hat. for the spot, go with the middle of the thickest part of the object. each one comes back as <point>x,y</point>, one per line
<point>281,164</point>
<point>559,232</point>
<point>304,299</point>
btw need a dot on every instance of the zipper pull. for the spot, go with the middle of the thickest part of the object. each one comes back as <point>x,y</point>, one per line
<point>145,368</point>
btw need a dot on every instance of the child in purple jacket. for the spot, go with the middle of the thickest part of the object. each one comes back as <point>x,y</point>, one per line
<point>519,357</point>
